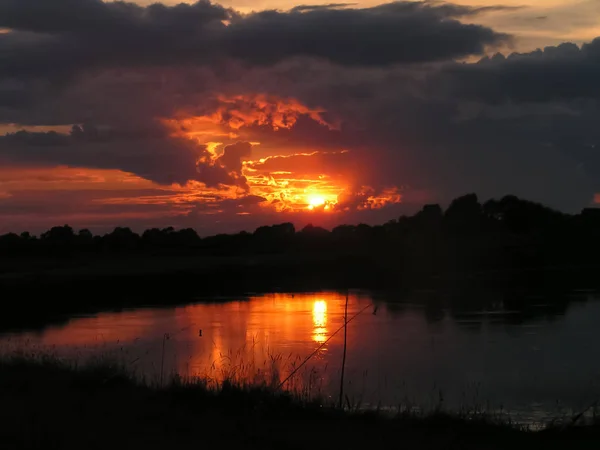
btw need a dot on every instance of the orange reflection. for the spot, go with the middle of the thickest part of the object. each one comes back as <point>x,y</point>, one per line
<point>319,316</point>
<point>258,339</point>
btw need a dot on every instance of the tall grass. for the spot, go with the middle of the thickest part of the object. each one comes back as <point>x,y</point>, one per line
<point>235,385</point>
<point>290,375</point>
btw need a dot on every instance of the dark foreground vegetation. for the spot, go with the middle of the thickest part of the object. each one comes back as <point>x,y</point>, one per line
<point>51,405</point>
<point>508,243</point>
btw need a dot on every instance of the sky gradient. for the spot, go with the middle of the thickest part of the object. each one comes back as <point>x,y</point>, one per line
<point>224,117</point>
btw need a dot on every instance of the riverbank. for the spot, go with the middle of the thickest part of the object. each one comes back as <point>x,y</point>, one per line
<point>48,404</point>
<point>42,291</point>
<point>35,293</point>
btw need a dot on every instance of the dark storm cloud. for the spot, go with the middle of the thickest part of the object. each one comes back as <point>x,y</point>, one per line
<point>158,52</point>
<point>564,72</point>
<point>441,9</point>
<point>230,164</point>
<point>463,127</point>
<point>233,154</point>
<point>401,32</point>
<point>538,111</point>
<point>302,8</point>
<point>61,37</point>
<point>524,124</point>
<point>153,155</point>
<point>95,17</point>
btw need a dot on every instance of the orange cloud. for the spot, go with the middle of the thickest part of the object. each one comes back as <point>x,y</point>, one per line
<point>295,182</point>
<point>311,180</point>
<point>251,177</point>
<point>286,184</point>
<point>68,178</point>
<point>232,113</point>
<point>263,110</point>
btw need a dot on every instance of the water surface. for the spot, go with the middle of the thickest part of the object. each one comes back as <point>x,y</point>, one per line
<point>403,353</point>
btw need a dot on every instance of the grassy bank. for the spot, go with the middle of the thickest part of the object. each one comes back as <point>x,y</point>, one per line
<point>52,405</point>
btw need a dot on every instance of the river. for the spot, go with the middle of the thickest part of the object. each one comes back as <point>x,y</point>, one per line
<point>399,354</point>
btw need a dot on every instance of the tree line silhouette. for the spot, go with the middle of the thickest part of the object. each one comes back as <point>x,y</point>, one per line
<point>511,245</point>
<point>509,231</point>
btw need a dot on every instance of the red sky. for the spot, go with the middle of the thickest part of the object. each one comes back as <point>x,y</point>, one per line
<point>289,118</point>
<point>261,176</point>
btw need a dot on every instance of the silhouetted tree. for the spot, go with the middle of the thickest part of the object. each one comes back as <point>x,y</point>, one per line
<point>521,216</point>
<point>344,232</point>
<point>85,234</point>
<point>186,237</point>
<point>505,233</point>
<point>122,239</point>
<point>59,236</point>
<point>153,237</point>
<point>430,218</point>
<point>464,214</point>
<point>10,242</point>
<point>314,232</point>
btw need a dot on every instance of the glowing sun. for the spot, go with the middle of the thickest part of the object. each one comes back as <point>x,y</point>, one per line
<point>315,200</point>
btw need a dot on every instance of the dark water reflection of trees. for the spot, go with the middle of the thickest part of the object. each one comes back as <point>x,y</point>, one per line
<point>470,308</point>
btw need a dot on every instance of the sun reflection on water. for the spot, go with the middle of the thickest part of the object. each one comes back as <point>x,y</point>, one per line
<point>319,316</point>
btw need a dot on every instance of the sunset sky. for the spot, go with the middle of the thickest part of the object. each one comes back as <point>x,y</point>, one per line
<point>227,116</point>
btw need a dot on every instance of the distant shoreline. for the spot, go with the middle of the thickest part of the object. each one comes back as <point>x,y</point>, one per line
<point>58,291</point>
<point>509,244</point>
